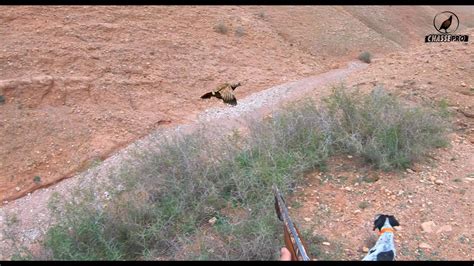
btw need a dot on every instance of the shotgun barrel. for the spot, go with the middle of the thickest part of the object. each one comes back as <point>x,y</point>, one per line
<point>293,241</point>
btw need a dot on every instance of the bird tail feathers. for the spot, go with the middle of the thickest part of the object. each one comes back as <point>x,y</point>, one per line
<point>232,102</point>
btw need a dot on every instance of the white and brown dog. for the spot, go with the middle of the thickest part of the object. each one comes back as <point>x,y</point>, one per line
<point>384,248</point>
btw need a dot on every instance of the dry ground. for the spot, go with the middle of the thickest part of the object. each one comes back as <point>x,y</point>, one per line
<point>82,82</point>
<point>339,206</point>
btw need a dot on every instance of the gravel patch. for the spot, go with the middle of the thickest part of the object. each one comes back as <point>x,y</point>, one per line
<point>32,214</point>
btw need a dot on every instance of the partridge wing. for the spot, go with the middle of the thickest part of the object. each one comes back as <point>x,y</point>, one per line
<point>221,87</point>
<point>207,95</point>
<point>228,96</point>
<point>215,92</point>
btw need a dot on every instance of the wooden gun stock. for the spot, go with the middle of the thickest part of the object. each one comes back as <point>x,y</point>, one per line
<point>292,236</point>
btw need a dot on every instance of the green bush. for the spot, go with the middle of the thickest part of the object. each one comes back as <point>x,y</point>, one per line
<point>221,28</point>
<point>365,57</point>
<point>170,193</point>
<point>261,15</point>
<point>382,130</point>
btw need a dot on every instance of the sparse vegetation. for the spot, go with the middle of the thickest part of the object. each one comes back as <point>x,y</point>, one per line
<point>2,99</point>
<point>221,28</point>
<point>443,106</point>
<point>314,242</point>
<point>364,205</point>
<point>239,31</point>
<point>382,130</point>
<point>368,178</point>
<point>170,194</point>
<point>463,239</point>
<point>94,162</point>
<point>12,220</point>
<point>316,249</point>
<point>365,57</point>
<point>175,191</point>
<point>37,179</point>
<point>297,204</point>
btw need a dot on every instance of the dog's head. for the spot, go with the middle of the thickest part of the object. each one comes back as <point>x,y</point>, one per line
<point>381,218</point>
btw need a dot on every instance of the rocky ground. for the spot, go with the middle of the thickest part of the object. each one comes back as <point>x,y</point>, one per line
<point>102,82</point>
<point>81,82</point>
<point>433,199</point>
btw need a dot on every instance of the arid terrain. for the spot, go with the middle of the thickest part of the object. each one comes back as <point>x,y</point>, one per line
<point>338,206</point>
<point>80,83</point>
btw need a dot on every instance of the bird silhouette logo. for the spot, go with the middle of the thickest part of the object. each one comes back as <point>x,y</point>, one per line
<point>446,22</point>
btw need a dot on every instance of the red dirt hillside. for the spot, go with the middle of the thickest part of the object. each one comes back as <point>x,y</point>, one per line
<point>80,82</point>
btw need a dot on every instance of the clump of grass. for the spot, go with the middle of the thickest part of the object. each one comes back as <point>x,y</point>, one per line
<point>463,239</point>
<point>2,99</point>
<point>173,192</point>
<point>37,179</point>
<point>382,130</point>
<point>314,243</point>
<point>317,250</point>
<point>94,162</point>
<point>261,15</point>
<point>12,220</point>
<point>221,28</point>
<point>364,205</point>
<point>443,105</point>
<point>170,193</point>
<point>368,178</point>
<point>365,57</point>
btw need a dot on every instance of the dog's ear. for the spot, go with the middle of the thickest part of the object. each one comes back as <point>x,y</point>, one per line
<point>379,221</point>
<point>393,222</point>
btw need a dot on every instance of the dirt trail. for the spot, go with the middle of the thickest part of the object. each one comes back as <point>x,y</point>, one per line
<point>338,206</point>
<point>81,82</point>
<point>262,103</point>
<point>32,212</point>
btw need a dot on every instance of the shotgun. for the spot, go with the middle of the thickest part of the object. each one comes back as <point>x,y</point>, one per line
<point>293,241</point>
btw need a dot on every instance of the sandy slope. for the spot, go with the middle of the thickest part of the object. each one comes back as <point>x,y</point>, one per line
<point>32,211</point>
<point>80,82</point>
<point>83,82</point>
